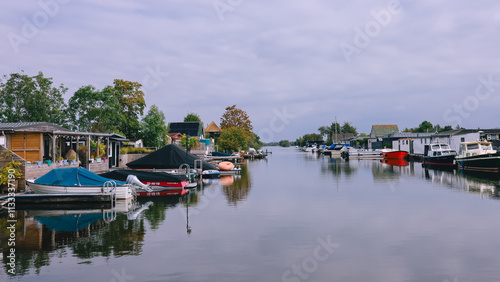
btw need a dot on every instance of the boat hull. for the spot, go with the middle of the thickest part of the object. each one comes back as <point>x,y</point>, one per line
<point>445,161</point>
<point>487,162</point>
<point>162,191</point>
<point>122,192</point>
<point>395,155</point>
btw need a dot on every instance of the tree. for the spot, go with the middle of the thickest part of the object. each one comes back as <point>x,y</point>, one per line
<point>132,104</point>
<point>254,141</point>
<point>284,143</point>
<point>31,99</point>
<point>188,143</point>
<point>234,117</point>
<point>192,117</point>
<point>233,139</point>
<point>425,126</point>
<point>95,111</point>
<point>347,127</point>
<point>154,129</point>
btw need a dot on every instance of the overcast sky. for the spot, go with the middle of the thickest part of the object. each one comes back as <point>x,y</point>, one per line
<point>293,66</point>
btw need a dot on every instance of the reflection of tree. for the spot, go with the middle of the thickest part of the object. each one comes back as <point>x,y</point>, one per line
<point>120,237</point>
<point>240,188</point>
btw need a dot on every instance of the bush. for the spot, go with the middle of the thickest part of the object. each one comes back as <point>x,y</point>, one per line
<point>133,150</point>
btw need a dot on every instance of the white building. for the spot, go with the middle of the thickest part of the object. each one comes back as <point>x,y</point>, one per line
<point>454,137</point>
<point>412,143</point>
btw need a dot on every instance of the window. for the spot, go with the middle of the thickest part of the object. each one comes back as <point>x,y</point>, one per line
<point>462,139</point>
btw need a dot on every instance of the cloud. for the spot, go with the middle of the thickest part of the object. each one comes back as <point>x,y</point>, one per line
<point>269,54</point>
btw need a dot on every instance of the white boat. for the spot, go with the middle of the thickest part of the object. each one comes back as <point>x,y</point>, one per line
<point>335,150</point>
<point>79,181</point>
<point>478,156</point>
<point>122,192</point>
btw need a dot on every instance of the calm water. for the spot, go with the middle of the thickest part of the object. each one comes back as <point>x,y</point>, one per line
<point>295,217</point>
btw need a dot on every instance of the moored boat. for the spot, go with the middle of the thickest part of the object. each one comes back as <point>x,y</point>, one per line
<point>439,154</point>
<point>155,183</point>
<point>394,154</point>
<point>78,180</point>
<point>478,156</point>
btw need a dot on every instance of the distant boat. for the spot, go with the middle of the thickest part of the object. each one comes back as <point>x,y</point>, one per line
<point>336,150</point>
<point>478,156</point>
<point>78,180</point>
<point>439,154</point>
<point>387,154</point>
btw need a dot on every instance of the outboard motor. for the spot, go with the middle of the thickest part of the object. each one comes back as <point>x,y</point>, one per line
<point>132,179</point>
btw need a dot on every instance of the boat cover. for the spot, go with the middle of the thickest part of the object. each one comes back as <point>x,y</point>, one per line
<point>122,174</point>
<point>220,154</point>
<point>168,157</point>
<point>73,176</point>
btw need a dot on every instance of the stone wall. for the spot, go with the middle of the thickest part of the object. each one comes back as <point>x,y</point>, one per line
<point>124,159</point>
<point>100,167</point>
<point>34,171</point>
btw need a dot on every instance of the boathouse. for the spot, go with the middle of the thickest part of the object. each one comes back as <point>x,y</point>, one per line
<point>213,130</point>
<point>44,146</point>
<point>454,137</point>
<point>378,132</point>
<point>190,129</point>
<point>410,142</point>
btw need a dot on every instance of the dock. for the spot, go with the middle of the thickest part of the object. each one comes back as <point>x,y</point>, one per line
<point>53,200</point>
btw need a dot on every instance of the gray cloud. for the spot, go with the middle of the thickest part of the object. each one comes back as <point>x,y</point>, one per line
<point>265,55</point>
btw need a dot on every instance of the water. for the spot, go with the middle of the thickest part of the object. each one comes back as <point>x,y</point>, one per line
<point>295,217</point>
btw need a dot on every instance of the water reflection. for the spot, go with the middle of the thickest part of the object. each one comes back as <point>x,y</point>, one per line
<point>236,188</point>
<point>44,234</point>
<point>338,167</point>
<point>484,184</point>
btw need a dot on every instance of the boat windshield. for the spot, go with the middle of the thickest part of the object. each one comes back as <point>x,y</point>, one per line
<point>486,146</point>
<point>435,147</point>
<point>473,146</point>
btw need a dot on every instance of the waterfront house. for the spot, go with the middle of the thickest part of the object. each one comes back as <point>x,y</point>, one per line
<point>378,132</point>
<point>213,130</point>
<point>410,142</point>
<point>190,129</point>
<point>41,144</point>
<point>454,137</point>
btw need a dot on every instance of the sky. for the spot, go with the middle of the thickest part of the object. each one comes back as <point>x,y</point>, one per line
<point>293,66</point>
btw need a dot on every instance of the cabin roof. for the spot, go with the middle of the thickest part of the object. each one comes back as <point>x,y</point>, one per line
<point>213,127</point>
<point>379,130</point>
<point>188,128</point>
<point>31,127</point>
<point>455,132</point>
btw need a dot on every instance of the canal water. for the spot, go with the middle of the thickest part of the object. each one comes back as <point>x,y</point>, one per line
<point>293,217</point>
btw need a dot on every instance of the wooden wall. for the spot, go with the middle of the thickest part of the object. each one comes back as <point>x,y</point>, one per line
<point>27,145</point>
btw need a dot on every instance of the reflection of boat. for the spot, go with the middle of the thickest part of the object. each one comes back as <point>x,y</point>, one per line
<point>478,156</point>
<point>395,162</point>
<point>364,153</point>
<point>160,183</point>
<point>388,154</point>
<point>439,154</point>
<point>210,173</point>
<point>62,220</point>
<point>78,180</point>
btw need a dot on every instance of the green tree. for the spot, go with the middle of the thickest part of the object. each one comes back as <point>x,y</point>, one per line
<point>233,139</point>
<point>234,117</point>
<point>188,143</point>
<point>254,141</point>
<point>31,99</point>
<point>132,104</point>
<point>425,126</point>
<point>154,129</point>
<point>95,111</point>
<point>284,143</point>
<point>347,127</point>
<point>192,117</point>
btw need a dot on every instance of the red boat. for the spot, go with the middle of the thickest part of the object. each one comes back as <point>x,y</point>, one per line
<point>160,183</point>
<point>395,154</point>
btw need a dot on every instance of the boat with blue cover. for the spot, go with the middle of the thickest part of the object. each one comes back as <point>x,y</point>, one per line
<point>78,180</point>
